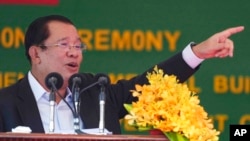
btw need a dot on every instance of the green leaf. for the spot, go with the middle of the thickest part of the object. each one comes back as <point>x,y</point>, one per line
<point>145,128</point>
<point>173,136</point>
<point>128,107</point>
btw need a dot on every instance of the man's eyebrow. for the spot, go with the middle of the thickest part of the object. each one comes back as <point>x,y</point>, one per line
<point>66,38</point>
<point>62,39</point>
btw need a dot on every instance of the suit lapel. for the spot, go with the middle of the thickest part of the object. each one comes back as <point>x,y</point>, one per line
<point>27,107</point>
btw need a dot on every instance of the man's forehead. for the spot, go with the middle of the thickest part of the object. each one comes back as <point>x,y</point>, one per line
<point>62,31</point>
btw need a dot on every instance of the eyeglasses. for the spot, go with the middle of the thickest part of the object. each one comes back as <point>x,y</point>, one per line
<point>81,47</point>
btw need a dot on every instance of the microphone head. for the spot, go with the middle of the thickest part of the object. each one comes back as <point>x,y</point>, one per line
<point>54,78</point>
<point>77,79</point>
<point>102,79</point>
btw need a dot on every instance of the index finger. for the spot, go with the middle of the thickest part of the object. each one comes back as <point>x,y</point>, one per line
<point>228,32</point>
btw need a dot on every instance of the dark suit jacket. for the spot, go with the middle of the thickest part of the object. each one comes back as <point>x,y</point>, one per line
<point>18,105</point>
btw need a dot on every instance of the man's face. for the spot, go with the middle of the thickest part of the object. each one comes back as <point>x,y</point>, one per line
<point>61,56</point>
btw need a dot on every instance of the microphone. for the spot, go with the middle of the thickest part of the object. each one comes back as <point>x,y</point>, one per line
<point>76,80</point>
<point>103,81</point>
<point>53,81</point>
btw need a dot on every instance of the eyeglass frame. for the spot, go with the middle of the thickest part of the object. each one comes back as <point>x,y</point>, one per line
<point>82,47</point>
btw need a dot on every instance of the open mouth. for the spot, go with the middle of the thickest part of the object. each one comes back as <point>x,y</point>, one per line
<point>72,64</point>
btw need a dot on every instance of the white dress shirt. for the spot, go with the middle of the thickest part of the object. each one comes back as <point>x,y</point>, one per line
<point>63,118</point>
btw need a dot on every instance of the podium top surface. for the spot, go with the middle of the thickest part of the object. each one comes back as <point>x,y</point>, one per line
<point>72,137</point>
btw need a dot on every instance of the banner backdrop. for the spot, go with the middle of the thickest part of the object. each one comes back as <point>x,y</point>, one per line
<point>126,37</point>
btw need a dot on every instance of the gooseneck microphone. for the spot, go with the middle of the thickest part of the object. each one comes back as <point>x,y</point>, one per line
<point>103,81</point>
<point>76,80</point>
<point>53,81</point>
<point>100,79</point>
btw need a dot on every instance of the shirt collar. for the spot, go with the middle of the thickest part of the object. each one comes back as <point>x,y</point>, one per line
<point>39,91</point>
<point>36,88</point>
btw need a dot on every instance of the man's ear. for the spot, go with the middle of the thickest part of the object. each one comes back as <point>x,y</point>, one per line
<point>34,54</point>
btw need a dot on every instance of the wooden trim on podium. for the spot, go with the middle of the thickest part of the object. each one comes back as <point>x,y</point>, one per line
<point>70,137</point>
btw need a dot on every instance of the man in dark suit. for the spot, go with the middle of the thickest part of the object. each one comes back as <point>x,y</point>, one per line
<point>53,45</point>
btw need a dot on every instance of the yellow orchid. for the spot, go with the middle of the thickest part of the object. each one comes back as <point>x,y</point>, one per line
<point>170,106</point>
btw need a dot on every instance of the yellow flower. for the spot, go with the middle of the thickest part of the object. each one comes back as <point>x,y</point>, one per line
<point>170,106</point>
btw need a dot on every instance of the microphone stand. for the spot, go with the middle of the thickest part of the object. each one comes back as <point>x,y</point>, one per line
<point>77,110</point>
<point>101,81</point>
<point>102,110</point>
<point>52,100</point>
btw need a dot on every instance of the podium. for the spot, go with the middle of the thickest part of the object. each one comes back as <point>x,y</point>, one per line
<point>82,137</point>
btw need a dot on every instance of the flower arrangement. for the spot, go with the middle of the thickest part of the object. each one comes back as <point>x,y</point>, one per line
<point>170,106</point>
